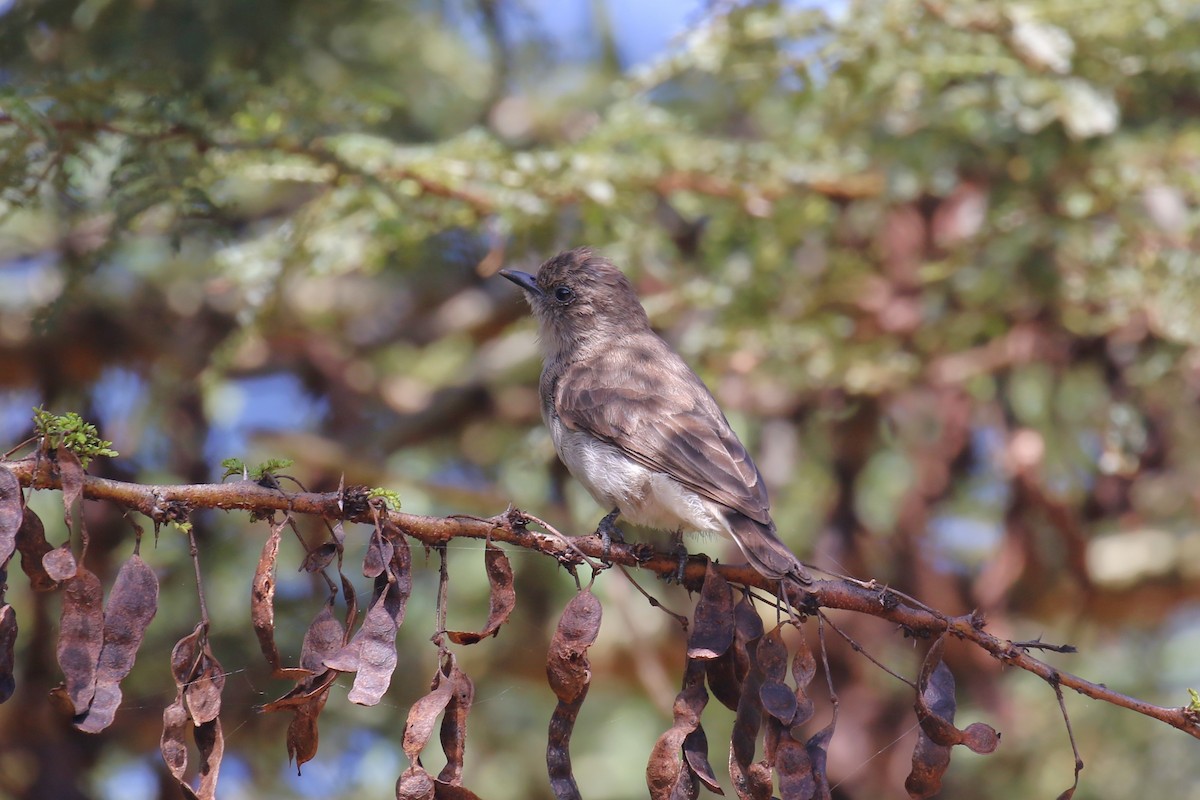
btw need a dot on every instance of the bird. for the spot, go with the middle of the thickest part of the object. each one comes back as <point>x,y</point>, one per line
<point>633,422</point>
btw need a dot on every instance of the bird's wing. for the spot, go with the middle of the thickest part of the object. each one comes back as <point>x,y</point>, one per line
<point>648,403</point>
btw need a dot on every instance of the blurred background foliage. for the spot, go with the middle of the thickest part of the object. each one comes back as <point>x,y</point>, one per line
<point>936,259</point>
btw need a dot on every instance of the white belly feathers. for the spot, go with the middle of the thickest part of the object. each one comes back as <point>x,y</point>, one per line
<point>644,497</point>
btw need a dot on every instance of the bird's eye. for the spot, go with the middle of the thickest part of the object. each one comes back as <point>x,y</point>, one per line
<point>564,294</point>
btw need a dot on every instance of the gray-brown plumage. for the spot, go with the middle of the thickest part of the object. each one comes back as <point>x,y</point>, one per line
<point>633,423</point>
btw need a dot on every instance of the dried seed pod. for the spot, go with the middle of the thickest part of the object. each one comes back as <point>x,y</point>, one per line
<point>502,600</point>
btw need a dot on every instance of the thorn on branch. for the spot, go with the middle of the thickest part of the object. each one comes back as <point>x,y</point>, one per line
<point>1038,644</point>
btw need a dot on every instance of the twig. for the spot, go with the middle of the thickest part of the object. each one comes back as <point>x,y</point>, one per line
<point>654,601</point>
<point>1062,705</point>
<point>439,638</point>
<point>567,540</point>
<point>194,552</point>
<point>858,648</point>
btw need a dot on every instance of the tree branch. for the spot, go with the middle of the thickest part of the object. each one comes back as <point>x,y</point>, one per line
<point>165,503</point>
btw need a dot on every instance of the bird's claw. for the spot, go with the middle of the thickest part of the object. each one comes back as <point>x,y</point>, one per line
<point>609,533</point>
<point>681,553</point>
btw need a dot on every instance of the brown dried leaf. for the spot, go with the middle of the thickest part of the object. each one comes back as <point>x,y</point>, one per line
<point>351,605</point>
<point>185,656</point>
<point>935,706</point>
<point>773,731</point>
<point>503,597</point>
<point>338,531</point>
<point>804,664</point>
<point>378,652</point>
<point>727,672</point>
<point>760,781</point>
<point>262,598</point>
<point>804,668</point>
<point>72,475</point>
<point>453,733</point>
<point>302,693</point>
<point>424,713</point>
<point>450,791</point>
<point>695,744</point>
<point>12,513</point>
<point>931,758</point>
<point>415,784</point>
<point>929,763</point>
<point>202,694</point>
<point>712,625</point>
<point>302,735</point>
<point>8,642</point>
<point>60,701</point>
<point>723,678</point>
<point>319,557</point>
<point>687,787</point>
<point>818,754</point>
<point>771,655</point>
<point>379,553</point>
<point>667,766</point>
<point>173,743</point>
<point>324,637</point>
<point>59,563</point>
<point>695,750</point>
<point>567,666</point>
<point>979,737</point>
<point>748,782</point>
<point>400,566</point>
<point>794,768</point>
<point>262,605</point>
<point>210,741</point>
<point>558,748</point>
<point>372,651</point>
<point>569,674</point>
<point>935,703</point>
<point>81,636</point>
<point>132,603</point>
<point>33,547</point>
<point>349,658</point>
<point>777,698</point>
<point>779,701</point>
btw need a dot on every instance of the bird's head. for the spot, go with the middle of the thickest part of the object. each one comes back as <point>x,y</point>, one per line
<point>580,301</point>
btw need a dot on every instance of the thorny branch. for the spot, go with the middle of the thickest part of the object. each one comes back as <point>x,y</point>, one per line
<point>161,502</point>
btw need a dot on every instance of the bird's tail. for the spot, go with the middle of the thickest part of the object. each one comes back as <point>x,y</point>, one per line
<point>763,548</point>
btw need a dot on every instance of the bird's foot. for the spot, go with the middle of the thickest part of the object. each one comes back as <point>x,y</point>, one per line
<point>680,550</point>
<point>610,533</point>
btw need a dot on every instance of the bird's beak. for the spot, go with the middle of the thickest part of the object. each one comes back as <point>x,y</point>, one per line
<point>524,280</point>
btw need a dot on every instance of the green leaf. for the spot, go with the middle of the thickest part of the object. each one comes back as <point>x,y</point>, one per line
<point>390,497</point>
<point>72,432</point>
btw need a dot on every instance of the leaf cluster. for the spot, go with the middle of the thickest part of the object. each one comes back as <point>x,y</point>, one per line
<point>69,430</point>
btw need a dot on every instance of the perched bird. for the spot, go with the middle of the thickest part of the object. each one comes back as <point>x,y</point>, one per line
<point>633,423</point>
